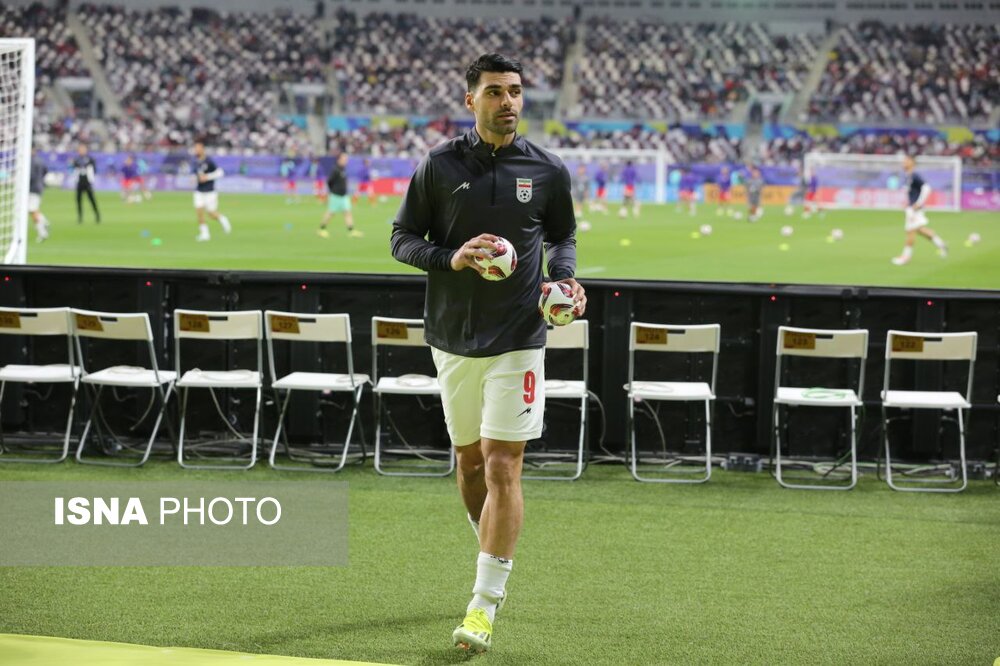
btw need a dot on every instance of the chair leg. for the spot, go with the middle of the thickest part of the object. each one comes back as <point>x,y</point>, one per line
<point>579,464</point>
<point>384,470</point>
<point>776,426</point>
<point>925,489</point>
<point>708,441</point>
<point>277,433</point>
<point>180,437</point>
<point>66,436</point>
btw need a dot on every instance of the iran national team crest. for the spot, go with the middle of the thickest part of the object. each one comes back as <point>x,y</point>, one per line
<point>524,190</point>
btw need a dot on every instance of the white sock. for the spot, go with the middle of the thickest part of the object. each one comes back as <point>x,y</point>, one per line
<point>475,525</point>
<point>907,251</point>
<point>491,580</point>
<point>938,242</point>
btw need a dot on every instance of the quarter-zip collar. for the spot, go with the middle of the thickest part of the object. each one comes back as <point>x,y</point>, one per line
<point>481,147</point>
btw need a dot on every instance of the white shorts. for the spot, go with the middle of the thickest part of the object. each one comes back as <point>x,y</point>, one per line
<point>499,397</point>
<point>915,219</point>
<point>34,202</point>
<point>207,200</point>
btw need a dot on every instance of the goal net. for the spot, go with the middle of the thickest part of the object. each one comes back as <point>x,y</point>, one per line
<point>878,182</point>
<point>17,97</point>
<point>650,166</point>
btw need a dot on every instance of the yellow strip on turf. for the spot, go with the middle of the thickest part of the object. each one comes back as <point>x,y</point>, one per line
<point>49,651</point>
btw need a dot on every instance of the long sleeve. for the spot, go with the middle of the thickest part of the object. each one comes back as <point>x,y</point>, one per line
<point>560,229</point>
<point>925,192</point>
<point>413,221</point>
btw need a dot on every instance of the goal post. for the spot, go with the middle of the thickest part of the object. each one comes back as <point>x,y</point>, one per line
<point>651,169</point>
<point>877,182</point>
<point>17,100</point>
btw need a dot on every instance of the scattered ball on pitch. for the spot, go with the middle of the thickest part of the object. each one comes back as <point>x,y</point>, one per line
<point>556,304</point>
<point>705,229</point>
<point>784,247</point>
<point>974,238</point>
<point>695,235</point>
<point>837,234</point>
<point>156,242</point>
<point>787,230</point>
<point>584,225</point>
<point>501,262</point>
<point>789,210</point>
<point>738,215</point>
<point>625,242</point>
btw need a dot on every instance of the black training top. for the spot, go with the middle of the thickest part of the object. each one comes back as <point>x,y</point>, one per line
<point>464,188</point>
<point>916,185</point>
<point>337,181</point>
<point>206,167</point>
<point>84,168</point>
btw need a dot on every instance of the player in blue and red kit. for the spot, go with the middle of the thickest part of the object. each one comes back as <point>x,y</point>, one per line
<point>629,179</point>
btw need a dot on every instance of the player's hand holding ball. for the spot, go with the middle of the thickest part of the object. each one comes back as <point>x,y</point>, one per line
<point>562,302</point>
<point>493,257</point>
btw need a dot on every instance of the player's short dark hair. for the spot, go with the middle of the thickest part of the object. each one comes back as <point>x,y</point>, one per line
<point>490,62</point>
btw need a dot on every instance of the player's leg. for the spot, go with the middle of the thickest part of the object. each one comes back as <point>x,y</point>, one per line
<point>212,207</point>
<point>322,232</point>
<point>939,243</point>
<point>907,253</point>
<point>35,212</point>
<point>79,203</point>
<point>349,219</point>
<point>203,233</point>
<point>93,203</point>
<point>472,480</point>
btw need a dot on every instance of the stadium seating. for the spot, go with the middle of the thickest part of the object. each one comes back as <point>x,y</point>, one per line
<point>641,68</point>
<point>330,331</point>
<point>385,63</point>
<point>118,330</point>
<point>923,347</point>
<point>918,73</point>
<point>30,323</point>
<point>219,327</point>
<point>182,75</point>
<point>647,338</point>
<point>819,344</point>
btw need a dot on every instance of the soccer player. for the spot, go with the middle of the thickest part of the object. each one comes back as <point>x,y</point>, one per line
<point>130,179</point>
<point>316,175</point>
<point>724,194</point>
<point>581,188</point>
<point>287,169</point>
<point>487,338</point>
<point>365,184</point>
<point>85,171</point>
<point>36,185</point>
<point>206,199</point>
<point>689,190</point>
<point>755,187</point>
<point>809,204</point>
<point>916,219</point>
<point>629,178</point>
<point>601,180</point>
<point>141,169</point>
<point>338,201</point>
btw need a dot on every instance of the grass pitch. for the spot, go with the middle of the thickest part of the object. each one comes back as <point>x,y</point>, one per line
<point>608,571</point>
<point>663,244</point>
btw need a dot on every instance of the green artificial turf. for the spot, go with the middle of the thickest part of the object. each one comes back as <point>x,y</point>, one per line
<point>608,571</point>
<point>269,234</point>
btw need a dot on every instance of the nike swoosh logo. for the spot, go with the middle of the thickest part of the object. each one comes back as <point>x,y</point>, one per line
<point>526,411</point>
<point>463,186</point>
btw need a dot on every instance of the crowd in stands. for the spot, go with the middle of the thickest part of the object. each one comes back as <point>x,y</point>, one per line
<point>925,74</point>
<point>976,151</point>
<point>681,145</point>
<point>187,74</point>
<point>647,69</point>
<point>406,63</point>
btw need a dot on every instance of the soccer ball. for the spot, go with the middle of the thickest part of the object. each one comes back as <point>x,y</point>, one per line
<point>974,238</point>
<point>706,229</point>
<point>584,225</point>
<point>837,234</point>
<point>53,179</point>
<point>501,263</point>
<point>556,304</point>
<point>787,230</point>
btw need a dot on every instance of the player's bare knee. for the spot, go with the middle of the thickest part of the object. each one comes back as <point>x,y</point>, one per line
<point>503,469</point>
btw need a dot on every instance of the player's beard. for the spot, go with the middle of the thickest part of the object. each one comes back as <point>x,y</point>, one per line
<point>503,126</point>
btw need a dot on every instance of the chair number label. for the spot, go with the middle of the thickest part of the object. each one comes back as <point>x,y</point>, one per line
<point>907,343</point>
<point>284,324</point>
<point>10,320</point>
<point>650,336</point>
<point>86,322</point>
<point>800,340</point>
<point>529,387</point>
<point>390,330</point>
<point>195,323</point>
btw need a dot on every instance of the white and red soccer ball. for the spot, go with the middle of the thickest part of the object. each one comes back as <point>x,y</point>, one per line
<point>556,304</point>
<point>501,262</point>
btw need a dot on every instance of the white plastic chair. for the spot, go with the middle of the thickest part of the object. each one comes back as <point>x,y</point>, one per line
<point>402,333</point>
<point>915,346</point>
<point>218,327</point>
<point>39,322</point>
<point>826,344</point>
<point>645,337</point>
<point>129,328</point>
<point>574,336</point>
<point>328,330</point>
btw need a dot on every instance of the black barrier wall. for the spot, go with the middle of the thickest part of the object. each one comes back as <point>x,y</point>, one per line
<point>748,314</point>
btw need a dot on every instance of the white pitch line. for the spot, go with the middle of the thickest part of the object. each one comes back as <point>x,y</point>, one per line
<point>591,269</point>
